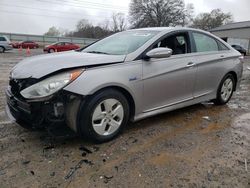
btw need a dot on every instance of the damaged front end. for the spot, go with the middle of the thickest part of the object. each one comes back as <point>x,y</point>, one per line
<point>40,113</point>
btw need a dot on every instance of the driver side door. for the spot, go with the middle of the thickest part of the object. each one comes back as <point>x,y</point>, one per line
<point>169,81</point>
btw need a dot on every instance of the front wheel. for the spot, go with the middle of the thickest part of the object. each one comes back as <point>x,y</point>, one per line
<point>103,116</point>
<point>51,50</point>
<point>2,49</point>
<point>225,90</point>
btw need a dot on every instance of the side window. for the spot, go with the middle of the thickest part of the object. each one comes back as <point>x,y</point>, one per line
<point>222,46</point>
<point>205,43</point>
<point>179,43</point>
<point>2,39</point>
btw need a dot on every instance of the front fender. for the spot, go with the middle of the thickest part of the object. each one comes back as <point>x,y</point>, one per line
<point>125,75</point>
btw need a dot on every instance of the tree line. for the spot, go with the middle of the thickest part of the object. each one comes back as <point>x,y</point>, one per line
<point>148,13</point>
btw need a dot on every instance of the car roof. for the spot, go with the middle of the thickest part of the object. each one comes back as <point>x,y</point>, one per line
<point>153,29</point>
<point>168,29</point>
<point>4,36</point>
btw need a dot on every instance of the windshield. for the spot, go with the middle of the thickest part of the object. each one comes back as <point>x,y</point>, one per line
<point>121,43</point>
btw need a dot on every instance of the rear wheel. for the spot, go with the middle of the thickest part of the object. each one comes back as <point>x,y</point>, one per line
<point>51,50</point>
<point>225,90</point>
<point>2,49</point>
<point>103,116</point>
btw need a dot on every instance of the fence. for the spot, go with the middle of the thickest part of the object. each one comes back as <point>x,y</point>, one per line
<point>44,40</point>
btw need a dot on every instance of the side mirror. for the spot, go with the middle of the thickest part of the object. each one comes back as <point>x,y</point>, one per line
<point>159,53</point>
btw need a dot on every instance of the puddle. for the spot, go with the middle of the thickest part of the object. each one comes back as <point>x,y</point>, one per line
<point>213,127</point>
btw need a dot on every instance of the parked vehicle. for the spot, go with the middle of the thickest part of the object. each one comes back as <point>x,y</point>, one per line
<point>5,44</point>
<point>127,76</point>
<point>25,44</point>
<point>60,47</point>
<point>240,49</point>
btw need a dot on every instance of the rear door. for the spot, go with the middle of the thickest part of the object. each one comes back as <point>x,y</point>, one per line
<point>169,81</point>
<point>60,46</point>
<point>210,58</point>
<point>24,44</point>
<point>68,46</point>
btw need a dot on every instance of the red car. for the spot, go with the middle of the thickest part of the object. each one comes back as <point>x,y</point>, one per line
<point>60,47</point>
<point>25,44</point>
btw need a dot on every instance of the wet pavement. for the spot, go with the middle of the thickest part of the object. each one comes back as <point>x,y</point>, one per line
<point>199,146</point>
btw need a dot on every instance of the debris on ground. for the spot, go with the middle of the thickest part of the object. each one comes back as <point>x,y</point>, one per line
<point>25,162</point>
<point>74,169</point>
<point>107,179</point>
<point>51,146</point>
<point>88,162</point>
<point>84,149</point>
<point>206,118</point>
<point>246,165</point>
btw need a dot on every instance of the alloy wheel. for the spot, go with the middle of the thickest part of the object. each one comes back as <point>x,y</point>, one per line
<point>227,89</point>
<point>107,117</point>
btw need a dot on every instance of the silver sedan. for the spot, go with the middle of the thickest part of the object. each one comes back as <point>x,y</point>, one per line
<point>127,76</point>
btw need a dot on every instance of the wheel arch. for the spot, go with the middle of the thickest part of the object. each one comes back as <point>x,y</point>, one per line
<point>235,78</point>
<point>51,48</point>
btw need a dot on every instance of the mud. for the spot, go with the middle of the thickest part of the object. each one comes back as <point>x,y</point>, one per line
<point>199,146</point>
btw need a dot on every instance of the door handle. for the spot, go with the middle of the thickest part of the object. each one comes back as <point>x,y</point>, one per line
<point>191,64</point>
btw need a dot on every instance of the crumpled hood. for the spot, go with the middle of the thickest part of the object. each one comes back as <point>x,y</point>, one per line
<point>42,65</point>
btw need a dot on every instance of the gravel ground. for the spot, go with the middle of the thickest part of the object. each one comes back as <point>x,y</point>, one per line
<point>199,146</point>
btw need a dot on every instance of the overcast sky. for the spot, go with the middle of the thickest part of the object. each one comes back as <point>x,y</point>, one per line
<point>36,16</point>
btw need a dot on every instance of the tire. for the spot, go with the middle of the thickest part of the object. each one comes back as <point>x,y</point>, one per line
<point>94,125</point>
<point>225,90</point>
<point>51,50</point>
<point>2,49</point>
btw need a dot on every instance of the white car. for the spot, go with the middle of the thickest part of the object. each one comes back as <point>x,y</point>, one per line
<point>5,44</point>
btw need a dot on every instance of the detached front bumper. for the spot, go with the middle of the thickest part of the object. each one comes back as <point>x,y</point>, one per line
<point>16,109</point>
<point>34,114</point>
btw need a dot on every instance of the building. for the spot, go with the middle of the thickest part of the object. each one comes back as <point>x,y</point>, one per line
<point>235,33</point>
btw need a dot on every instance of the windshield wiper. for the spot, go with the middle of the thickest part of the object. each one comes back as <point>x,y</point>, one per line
<point>97,52</point>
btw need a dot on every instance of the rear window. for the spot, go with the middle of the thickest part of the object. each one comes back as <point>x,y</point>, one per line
<point>222,46</point>
<point>3,39</point>
<point>205,43</point>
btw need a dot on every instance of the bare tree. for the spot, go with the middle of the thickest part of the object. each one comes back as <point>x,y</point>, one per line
<point>105,25</point>
<point>189,15</point>
<point>53,31</point>
<point>82,24</point>
<point>85,29</point>
<point>157,13</point>
<point>118,22</point>
<point>215,18</point>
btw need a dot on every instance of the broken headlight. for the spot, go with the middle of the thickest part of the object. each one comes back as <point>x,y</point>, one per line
<point>50,85</point>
